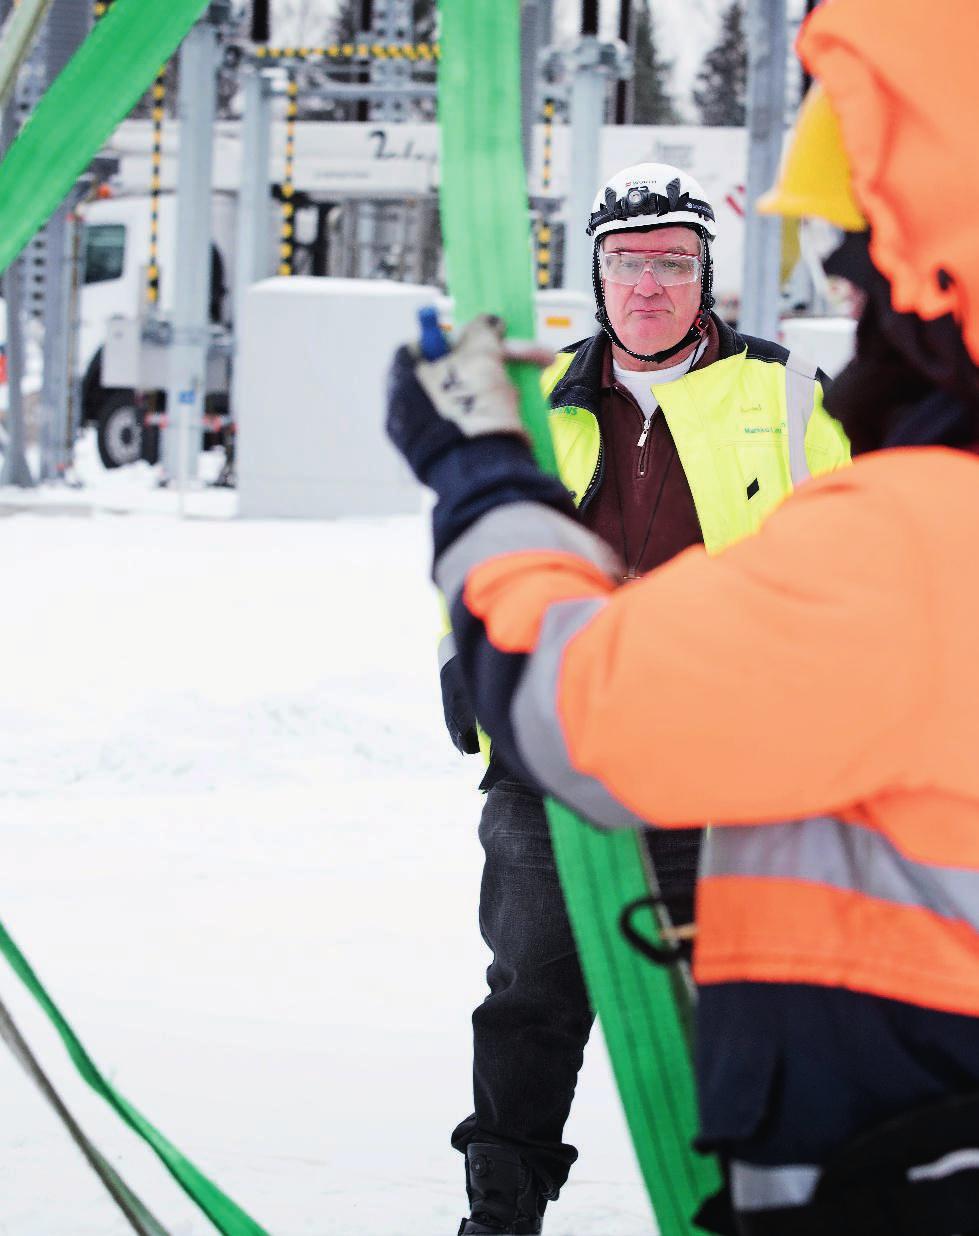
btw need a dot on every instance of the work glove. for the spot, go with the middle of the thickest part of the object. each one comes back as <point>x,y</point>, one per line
<point>434,405</point>
<point>460,717</point>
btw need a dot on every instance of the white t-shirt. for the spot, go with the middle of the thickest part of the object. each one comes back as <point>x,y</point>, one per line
<point>641,382</point>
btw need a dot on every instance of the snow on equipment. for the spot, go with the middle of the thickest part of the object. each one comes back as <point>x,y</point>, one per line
<point>643,1009</point>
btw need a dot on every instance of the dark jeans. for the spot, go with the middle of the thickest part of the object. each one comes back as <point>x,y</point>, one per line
<point>529,1033</point>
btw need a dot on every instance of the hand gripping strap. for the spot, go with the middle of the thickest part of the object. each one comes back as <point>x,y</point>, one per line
<point>486,227</point>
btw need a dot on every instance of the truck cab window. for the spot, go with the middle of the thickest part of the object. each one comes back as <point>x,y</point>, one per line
<point>105,251</point>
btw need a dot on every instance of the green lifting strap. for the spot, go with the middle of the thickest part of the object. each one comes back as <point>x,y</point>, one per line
<point>141,1219</point>
<point>98,87</point>
<point>225,1214</point>
<point>485,222</point>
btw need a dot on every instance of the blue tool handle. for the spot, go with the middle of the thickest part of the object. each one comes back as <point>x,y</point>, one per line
<point>433,341</point>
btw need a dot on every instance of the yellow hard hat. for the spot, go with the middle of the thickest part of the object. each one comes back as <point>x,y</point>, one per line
<point>814,178</point>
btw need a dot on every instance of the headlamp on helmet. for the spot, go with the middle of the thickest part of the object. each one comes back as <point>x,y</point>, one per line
<point>653,195</point>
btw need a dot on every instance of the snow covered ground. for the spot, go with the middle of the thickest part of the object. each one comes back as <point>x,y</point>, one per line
<point>241,853</point>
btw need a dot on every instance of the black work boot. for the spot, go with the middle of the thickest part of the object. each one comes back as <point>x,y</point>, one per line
<point>504,1193</point>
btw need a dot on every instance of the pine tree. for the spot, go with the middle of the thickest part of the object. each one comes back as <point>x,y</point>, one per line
<point>722,83</point>
<point>653,103</point>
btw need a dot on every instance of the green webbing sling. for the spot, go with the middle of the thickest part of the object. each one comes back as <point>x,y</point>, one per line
<point>226,1216</point>
<point>486,227</point>
<point>98,87</point>
<point>141,1219</point>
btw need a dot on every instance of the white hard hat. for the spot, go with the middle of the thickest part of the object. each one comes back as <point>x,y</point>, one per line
<point>650,195</point>
<point>653,195</point>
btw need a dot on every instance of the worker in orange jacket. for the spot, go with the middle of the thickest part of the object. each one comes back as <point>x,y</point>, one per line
<point>811,692</point>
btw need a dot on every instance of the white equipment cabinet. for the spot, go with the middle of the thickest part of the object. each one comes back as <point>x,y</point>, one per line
<point>312,362</point>
<point>563,317</point>
<point>830,342</point>
<point>310,396</point>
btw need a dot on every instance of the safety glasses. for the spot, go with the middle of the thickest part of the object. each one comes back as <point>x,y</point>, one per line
<point>668,269</point>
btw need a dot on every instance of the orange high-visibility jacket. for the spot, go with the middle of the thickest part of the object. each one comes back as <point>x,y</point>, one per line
<point>902,104</point>
<point>812,692</point>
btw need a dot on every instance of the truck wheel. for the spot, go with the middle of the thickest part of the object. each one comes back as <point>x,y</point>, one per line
<point>120,429</point>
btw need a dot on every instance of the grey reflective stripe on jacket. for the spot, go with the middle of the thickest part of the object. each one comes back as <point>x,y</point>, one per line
<point>519,527</point>
<point>849,857</point>
<point>447,649</point>
<point>948,1165</point>
<point>537,728</point>
<point>756,1187</point>
<point>800,394</point>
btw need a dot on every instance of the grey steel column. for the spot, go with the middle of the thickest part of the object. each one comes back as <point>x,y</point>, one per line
<point>530,24</point>
<point>589,86</point>
<point>369,241</point>
<point>188,353</point>
<point>393,23</point>
<point>546,22</point>
<point>67,26</point>
<point>15,470</point>
<point>52,433</point>
<point>767,51</point>
<point>252,259</point>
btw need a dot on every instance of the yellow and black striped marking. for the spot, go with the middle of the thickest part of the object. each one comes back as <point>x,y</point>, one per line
<point>353,51</point>
<point>287,232</point>
<point>156,185</point>
<point>544,228</point>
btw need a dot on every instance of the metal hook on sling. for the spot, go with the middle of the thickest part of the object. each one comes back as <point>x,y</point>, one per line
<point>678,946</point>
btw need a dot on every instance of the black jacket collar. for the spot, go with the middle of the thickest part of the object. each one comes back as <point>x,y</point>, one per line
<point>581,385</point>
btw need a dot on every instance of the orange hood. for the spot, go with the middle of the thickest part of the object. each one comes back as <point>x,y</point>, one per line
<point>903,80</point>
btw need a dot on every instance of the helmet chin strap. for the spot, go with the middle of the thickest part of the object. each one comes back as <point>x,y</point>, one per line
<point>695,333</point>
<point>697,327</point>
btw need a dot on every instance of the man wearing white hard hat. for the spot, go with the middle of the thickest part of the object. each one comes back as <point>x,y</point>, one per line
<point>670,430</point>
